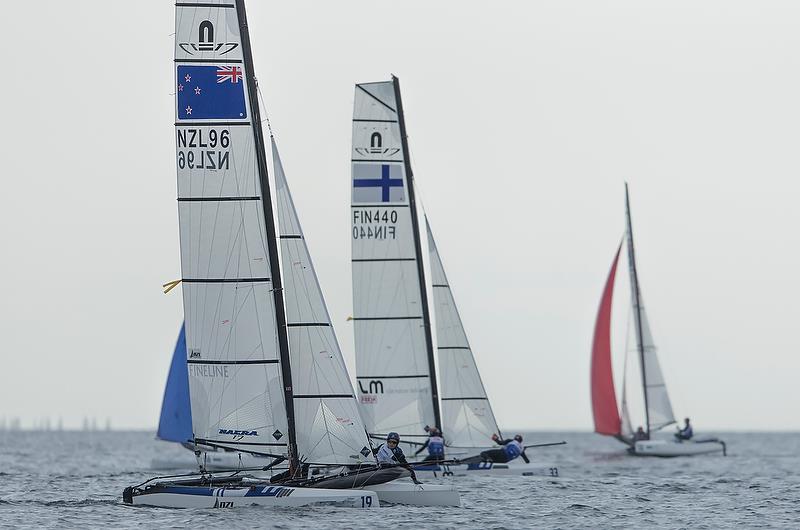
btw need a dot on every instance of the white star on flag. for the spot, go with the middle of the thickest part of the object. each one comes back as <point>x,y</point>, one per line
<point>188,110</point>
<point>180,88</point>
<point>188,78</point>
<point>197,91</point>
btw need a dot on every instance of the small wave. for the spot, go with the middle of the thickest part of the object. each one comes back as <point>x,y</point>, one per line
<point>583,507</point>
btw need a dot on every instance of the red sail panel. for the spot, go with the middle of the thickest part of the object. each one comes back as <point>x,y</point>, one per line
<point>604,398</point>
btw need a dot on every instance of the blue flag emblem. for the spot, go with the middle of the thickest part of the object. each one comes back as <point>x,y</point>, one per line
<point>210,93</point>
<point>378,183</point>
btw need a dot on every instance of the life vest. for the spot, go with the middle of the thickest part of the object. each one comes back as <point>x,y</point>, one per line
<point>436,446</point>
<point>513,449</point>
<point>386,455</point>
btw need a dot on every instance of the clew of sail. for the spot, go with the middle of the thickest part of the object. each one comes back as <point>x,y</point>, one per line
<point>657,402</point>
<point>467,416</point>
<point>175,423</point>
<point>227,239</point>
<point>604,399</point>
<point>329,428</point>
<point>396,381</point>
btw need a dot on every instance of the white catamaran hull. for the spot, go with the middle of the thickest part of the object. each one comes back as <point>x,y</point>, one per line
<point>403,492</point>
<point>667,448</point>
<point>487,469</point>
<point>261,495</point>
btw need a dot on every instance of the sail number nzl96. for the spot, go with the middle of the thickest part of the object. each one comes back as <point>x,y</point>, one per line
<point>203,148</point>
<point>374,224</point>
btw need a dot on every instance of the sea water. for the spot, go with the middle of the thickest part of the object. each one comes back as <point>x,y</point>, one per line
<point>75,479</point>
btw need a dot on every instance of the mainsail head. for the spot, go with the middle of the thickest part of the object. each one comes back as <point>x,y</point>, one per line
<point>393,346</point>
<point>467,416</point>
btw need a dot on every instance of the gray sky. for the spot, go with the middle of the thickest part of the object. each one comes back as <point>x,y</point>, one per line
<point>524,120</point>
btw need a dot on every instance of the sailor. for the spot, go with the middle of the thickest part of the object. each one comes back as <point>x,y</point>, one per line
<point>434,444</point>
<point>640,435</point>
<point>511,449</point>
<point>390,454</point>
<point>686,433</point>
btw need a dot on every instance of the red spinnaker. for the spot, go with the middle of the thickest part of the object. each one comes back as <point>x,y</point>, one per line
<point>604,398</point>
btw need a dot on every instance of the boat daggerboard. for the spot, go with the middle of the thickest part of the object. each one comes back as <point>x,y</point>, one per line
<point>231,281</point>
<point>657,402</point>
<point>394,353</point>
<point>329,427</point>
<point>467,416</point>
<point>604,399</point>
<point>175,424</point>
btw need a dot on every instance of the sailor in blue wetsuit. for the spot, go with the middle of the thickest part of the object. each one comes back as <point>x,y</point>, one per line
<point>511,449</point>
<point>390,454</point>
<point>434,444</point>
<point>686,433</point>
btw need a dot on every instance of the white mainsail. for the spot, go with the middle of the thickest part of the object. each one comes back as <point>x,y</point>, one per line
<point>393,346</point>
<point>659,408</point>
<point>329,427</point>
<point>232,339</point>
<point>467,417</point>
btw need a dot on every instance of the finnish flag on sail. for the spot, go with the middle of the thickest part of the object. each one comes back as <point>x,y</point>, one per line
<point>377,183</point>
<point>210,92</point>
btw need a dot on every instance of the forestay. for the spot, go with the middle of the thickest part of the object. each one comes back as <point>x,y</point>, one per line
<point>396,382</point>
<point>467,417</point>
<point>659,408</point>
<point>329,428</point>
<point>232,339</point>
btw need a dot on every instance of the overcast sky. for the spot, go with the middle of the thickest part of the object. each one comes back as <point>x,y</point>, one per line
<point>524,120</point>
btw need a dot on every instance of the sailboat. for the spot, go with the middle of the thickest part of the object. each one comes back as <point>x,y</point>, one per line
<point>395,353</point>
<point>266,376</point>
<point>608,419</point>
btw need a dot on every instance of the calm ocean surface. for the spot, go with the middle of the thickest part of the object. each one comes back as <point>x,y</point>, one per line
<point>75,479</point>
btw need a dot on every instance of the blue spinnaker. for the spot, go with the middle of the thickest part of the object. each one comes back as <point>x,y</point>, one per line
<point>176,412</point>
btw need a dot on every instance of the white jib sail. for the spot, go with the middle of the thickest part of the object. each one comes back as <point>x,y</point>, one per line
<point>467,417</point>
<point>328,425</point>
<point>231,332</point>
<point>659,408</point>
<point>394,379</point>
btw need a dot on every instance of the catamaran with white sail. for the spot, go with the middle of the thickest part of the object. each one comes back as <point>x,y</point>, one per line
<point>395,364</point>
<point>266,376</point>
<point>608,419</point>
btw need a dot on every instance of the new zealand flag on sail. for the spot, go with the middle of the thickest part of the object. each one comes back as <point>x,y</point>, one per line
<point>378,183</point>
<point>210,92</point>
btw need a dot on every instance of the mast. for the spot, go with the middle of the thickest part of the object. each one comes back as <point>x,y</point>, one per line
<point>426,316</point>
<point>272,246</point>
<point>637,305</point>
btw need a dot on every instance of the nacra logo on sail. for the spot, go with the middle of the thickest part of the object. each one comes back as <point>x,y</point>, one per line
<point>238,433</point>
